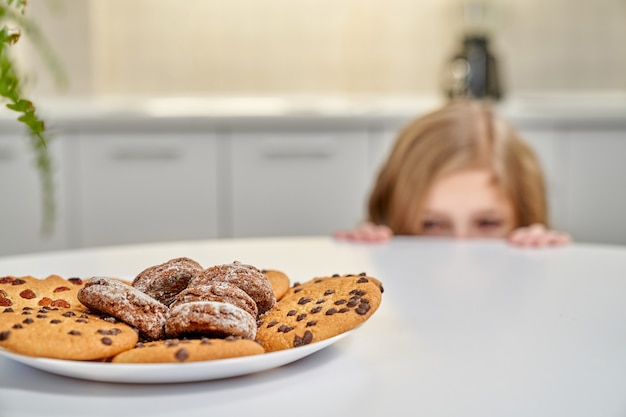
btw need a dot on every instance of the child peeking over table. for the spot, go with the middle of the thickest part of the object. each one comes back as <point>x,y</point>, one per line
<point>461,172</point>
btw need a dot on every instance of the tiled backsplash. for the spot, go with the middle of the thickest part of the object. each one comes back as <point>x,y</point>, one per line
<point>345,47</point>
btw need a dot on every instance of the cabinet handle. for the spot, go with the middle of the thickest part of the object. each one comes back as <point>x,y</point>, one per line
<point>132,153</point>
<point>296,148</point>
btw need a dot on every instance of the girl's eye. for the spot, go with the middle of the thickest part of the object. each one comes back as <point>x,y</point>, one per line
<point>432,225</point>
<point>489,224</point>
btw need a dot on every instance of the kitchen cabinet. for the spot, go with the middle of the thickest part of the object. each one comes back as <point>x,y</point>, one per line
<point>381,140</point>
<point>584,168</point>
<point>595,199</point>
<point>21,208</point>
<point>286,182</point>
<point>143,185</point>
<point>550,146</point>
<point>134,178</point>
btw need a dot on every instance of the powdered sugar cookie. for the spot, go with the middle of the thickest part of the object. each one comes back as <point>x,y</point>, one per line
<point>223,292</point>
<point>162,282</point>
<point>126,303</point>
<point>247,277</point>
<point>211,319</point>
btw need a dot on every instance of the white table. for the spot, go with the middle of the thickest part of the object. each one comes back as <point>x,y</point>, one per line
<point>465,329</point>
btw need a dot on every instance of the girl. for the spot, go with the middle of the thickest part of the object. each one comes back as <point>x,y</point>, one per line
<point>459,172</point>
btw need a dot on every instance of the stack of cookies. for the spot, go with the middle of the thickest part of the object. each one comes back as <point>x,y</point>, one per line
<point>180,298</point>
<point>179,311</point>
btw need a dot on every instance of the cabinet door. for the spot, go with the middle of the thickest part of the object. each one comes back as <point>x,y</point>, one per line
<point>596,178</point>
<point>21,211</point>
<point>550,148</point>
<point>297,183</point>
<point>381,142</point>
<point>146,186</point>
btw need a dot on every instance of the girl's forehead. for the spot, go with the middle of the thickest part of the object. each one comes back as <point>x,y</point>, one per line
<point>472,175</point>
<point>474,189</point>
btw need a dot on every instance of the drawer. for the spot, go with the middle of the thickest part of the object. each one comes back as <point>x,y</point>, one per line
<point>147,186</point>
<point>297,183</point>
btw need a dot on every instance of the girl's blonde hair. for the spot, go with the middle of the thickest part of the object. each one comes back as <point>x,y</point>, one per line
<point>462,135</point>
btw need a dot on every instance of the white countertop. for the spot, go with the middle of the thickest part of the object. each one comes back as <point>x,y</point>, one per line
<point>466,328</point>
<point>539,108</point>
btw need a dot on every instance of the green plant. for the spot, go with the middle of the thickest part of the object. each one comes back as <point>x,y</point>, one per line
<point>12,24</point>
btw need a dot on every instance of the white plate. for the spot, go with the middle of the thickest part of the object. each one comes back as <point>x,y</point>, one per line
<point>171,372</point>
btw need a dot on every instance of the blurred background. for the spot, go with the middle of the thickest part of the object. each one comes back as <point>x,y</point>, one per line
<point>345,47</point>
<point>240,118</point>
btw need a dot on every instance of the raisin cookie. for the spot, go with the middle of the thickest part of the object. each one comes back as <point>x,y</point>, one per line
<point>63,333</point>
<point>319,309</point>
<point>189,350</point>
<point>29,291</point>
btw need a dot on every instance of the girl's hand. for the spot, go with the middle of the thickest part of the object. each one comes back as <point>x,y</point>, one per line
<point>537,235</point>
<point>366,232</point>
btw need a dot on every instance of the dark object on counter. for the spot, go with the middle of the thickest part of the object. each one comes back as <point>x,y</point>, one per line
<point>473,72</point>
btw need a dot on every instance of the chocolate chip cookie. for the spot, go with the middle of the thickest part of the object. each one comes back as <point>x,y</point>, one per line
<point>59,333</point>
<point>189,350</point>
<point>319,309</point>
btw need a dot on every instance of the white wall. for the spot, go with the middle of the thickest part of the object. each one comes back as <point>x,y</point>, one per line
<point>348,47</point>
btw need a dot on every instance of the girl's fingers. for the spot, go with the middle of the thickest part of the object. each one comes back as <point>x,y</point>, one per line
<point>537,235</point>
<point>366,233</point>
